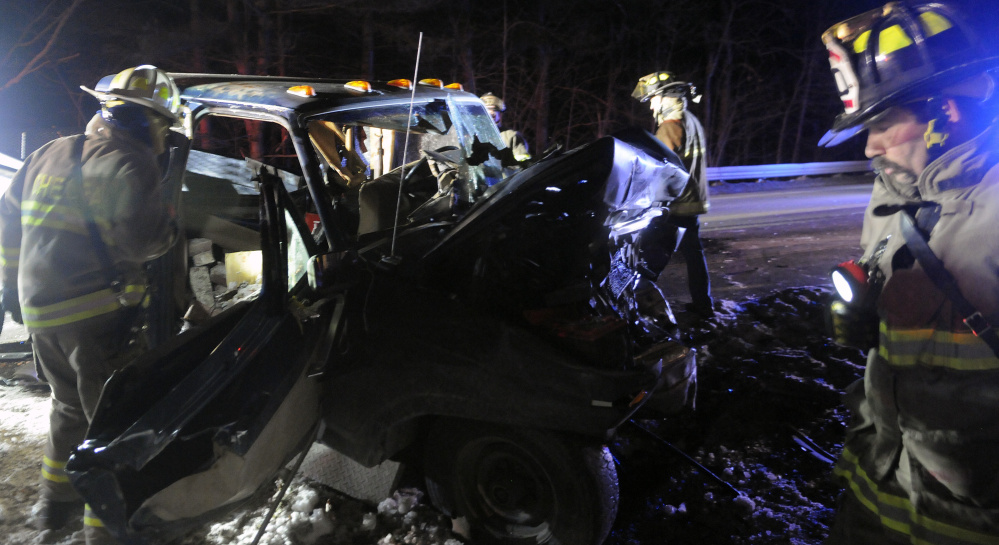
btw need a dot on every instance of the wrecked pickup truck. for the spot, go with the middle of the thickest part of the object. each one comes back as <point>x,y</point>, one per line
<point>358,272</point>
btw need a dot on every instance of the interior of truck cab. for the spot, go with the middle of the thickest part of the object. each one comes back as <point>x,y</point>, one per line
<point>399,164</point>
<point>220,212</point>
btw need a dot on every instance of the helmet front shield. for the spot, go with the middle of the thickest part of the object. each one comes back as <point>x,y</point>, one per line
<point>895,54</point>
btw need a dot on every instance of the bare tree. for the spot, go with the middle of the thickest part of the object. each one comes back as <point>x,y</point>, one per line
<point>565,69</point>
<point>37,40</point>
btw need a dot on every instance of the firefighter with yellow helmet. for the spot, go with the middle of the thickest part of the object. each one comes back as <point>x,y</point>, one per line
<point>920,463</point>
<point>680,131</point>
<point>77,223</point>
<point>514,141</point>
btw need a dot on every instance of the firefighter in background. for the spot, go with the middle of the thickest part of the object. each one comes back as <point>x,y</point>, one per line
<point>681,132</point>
<point>77,223</point>
<point>515,142</point>
<point>921,458</point>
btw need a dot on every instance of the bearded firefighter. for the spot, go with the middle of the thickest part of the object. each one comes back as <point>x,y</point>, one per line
<point>920,463</point>
<point>77,223</point>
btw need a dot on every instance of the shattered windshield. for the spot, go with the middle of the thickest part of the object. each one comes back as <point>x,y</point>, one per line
<point>430,116</point>
<point>368,141</point>
<point>476,128</point>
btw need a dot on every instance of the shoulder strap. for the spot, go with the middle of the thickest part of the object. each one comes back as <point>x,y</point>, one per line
<point>116,282</point>
<point>942,278</point>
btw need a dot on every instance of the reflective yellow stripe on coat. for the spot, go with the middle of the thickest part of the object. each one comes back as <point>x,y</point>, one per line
<point>52,216</point>
<point>958,351</point>
<point>81,308</point>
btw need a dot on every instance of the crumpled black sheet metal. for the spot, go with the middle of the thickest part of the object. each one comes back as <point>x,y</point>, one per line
<point>179,411</point>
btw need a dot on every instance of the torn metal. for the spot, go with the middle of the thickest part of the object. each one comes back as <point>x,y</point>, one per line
<point>517,303</point>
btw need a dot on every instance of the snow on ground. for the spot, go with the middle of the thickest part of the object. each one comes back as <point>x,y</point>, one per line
<point>768,412</point>
<point>767,423</point>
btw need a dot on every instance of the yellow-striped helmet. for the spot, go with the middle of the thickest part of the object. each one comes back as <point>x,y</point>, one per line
<point>662,83</point>
<point>493,102</point>
<point>145,85</point>
<point>895,54</point>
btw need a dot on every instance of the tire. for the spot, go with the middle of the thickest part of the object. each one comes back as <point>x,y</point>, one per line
<point>521,486</point>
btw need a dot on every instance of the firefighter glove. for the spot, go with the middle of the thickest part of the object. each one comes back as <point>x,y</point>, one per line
<point>10,304</point>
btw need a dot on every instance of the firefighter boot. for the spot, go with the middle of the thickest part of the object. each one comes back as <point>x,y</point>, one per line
<point>54,515</point>
<point>95,531</point>
<point>98,535</point>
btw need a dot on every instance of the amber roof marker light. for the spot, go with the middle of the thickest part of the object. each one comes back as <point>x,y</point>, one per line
<point>402,84</point>
<point>305,91</point>
<point>358,85</point>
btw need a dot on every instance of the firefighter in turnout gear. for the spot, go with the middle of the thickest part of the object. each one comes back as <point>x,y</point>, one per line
<point>681,132</point>
<point>515,142</point>
<point>920,463</point>
<point>77,223</point>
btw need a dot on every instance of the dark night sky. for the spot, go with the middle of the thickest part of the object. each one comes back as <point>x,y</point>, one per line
<point>106,35</point>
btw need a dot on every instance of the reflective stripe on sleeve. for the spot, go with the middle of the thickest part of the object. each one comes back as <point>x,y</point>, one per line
<point>10,256</point>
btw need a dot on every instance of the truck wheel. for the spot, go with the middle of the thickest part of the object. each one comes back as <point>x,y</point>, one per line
<point>522,486</point>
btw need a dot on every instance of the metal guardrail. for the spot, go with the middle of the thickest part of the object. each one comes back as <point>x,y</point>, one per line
<point>791,170</point>
<point>7,170</point>
<point>8,165</point>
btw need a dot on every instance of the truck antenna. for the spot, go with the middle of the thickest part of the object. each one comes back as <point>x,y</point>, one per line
<point>405,146</point>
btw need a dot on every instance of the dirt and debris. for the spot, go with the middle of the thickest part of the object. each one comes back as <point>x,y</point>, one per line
<point>768,419</point>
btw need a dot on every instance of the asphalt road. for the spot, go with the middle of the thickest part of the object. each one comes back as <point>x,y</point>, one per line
<point>786,204</point>
<point>787,235</point>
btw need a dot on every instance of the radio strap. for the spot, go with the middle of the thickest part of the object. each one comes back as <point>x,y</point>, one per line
<point>942,278</point>
<point>116,281</point>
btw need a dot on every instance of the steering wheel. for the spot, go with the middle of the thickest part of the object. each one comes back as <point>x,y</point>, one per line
<point>439,160</point>
<point>409,175</point>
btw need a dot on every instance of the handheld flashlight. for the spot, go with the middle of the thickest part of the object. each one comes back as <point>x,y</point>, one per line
<point>851,282</point>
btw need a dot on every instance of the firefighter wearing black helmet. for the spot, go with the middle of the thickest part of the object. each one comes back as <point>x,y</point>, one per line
<point>77,223</point>
<point>920,462</point>
<point>681,132</point>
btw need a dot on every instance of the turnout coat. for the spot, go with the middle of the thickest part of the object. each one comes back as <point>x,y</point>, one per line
<point>46,247</point>
<point>685,136</point>
<point>923,451</point>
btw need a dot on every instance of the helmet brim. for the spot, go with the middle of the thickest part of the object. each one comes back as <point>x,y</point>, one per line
<point>924,87</point>
<point>107,96</point>
<point>650,86</point>
<point>675,89</point>
<point>641,93</point>
<point>833,137</point>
